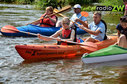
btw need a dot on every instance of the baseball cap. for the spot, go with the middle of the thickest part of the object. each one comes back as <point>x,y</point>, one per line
<point>77,6</point>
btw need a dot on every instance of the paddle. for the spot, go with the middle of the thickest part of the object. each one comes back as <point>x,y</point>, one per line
<point>59,14</point>
<point>83,13</point>
<point>92,46</point>
<point>62,10</point>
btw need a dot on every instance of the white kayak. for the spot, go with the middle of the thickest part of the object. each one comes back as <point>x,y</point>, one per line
<point>112,53</point>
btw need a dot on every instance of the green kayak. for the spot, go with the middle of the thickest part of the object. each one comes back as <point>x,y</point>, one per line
<point>110,53</point>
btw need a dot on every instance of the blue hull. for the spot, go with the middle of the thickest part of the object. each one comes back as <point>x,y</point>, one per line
<point>37,29</point>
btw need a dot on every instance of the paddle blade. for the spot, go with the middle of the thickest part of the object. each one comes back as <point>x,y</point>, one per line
<point>65,8</point>
<point>91,49</point>
<point>85,14</point>
<point>59,14</point>
<point>9,29</point>
<point>90,46</point>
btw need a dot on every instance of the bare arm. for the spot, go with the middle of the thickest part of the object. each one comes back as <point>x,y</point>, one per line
<point>125,13</point>
<point>53,19</point>
<point>118,33</point>
<point>56,34</point>
<point>36,22</point>
<point>51,37</point>
<point>97,32</point>
<point>84,23</point>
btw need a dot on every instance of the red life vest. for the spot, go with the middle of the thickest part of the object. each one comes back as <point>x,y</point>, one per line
<point>66,33</point>
<point>46,22</point>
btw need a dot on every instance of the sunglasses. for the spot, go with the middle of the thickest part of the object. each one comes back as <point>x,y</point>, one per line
<point>66,23</point>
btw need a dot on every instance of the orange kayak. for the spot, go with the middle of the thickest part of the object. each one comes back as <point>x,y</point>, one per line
<point>28,52</point>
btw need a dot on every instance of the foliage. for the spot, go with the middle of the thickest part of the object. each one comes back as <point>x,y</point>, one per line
<point>24,1</point>
<point>59,3</point>
<point>7,1</point>
<point>89,8</point>
<point>54,3</point>
<point>111,2</point>
<point>81,2</point>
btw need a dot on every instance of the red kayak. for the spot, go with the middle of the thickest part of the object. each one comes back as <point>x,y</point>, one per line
<point>60,51</point>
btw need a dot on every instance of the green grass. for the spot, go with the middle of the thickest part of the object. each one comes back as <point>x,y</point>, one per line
<point>111,2</point>
<point>41,4</point>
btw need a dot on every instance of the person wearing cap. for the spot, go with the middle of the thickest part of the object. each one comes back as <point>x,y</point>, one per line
<point>77,14</point>
<point>97,28</point>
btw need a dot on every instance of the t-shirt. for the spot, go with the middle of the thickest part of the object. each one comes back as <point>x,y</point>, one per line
<point>120,28</point>
<point>78,16</point>
<point>92,26</point>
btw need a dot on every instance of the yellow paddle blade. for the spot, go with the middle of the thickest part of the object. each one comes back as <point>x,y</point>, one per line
<point>90,46</point>
<point>59,14</point>
<point>85,14</point>
<point>66,8</point>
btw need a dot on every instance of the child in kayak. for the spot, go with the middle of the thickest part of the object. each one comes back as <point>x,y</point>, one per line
<point>65,33</point>
<point>47,21</point>
<point>122,29</point>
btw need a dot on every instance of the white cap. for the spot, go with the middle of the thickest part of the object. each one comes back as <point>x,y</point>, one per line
<point>77,6</point>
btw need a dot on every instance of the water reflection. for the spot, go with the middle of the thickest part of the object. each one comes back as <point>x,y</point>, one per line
<point>122,79</point>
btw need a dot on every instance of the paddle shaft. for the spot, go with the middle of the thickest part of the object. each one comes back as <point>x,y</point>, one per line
<point>51,38</point>
<point>55,10</point>
<point>43,17</point>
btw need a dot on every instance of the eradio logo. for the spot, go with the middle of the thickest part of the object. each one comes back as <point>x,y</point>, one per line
<point>110,8</point>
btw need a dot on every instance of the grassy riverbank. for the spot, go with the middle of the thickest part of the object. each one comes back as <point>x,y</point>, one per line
<point>41,4</point>
<point>18,1</point>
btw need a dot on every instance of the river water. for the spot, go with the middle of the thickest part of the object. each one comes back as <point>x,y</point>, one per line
<point>14,70</point>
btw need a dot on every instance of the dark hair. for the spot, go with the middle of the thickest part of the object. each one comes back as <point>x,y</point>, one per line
<point>124,0</point>
<point>105,37</point>
<point>123,19</point>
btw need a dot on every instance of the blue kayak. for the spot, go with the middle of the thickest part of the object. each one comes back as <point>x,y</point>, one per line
<point>32,29</point>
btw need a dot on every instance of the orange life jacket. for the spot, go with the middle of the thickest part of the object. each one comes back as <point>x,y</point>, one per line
<point>46,22</point>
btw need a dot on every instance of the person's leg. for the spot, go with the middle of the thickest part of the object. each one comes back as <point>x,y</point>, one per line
<point>122,41</point>
<point>91,40</point>
<point>58,24</point>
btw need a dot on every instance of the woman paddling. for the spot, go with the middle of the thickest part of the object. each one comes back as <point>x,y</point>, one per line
<point>122,29</point>
<point>65,33</point>
<point>48,20</point>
